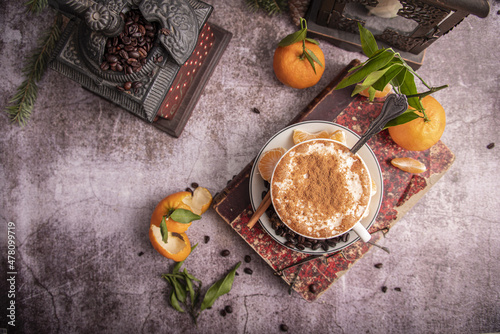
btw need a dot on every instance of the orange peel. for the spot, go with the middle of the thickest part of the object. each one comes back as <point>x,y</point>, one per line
<point>177,247</point>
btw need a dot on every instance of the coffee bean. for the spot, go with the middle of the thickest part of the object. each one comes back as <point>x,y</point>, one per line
<point>127,85</point>
<point>207,239</point>
<point>378,265</point>
<point>313,288</point>
<point>248,271</point>
<point>223,313</point>
<point>248,258</point>
<point>255,110</point>
<point>300,246</point>
<point>123,54</point>
<point>316,246</point>
<point>324,246</point>
<point>290,244</point>
<point>228,309</point>
<point>112,59</point>
<point>225,252</point>
<point>397,289</point>
<point>105,66</point>
<point>384,289</point>
<point>345,237</point>
<point>283,328</point>
<point>136,84</point>
<point>331,242</point>
<point>490,146</point>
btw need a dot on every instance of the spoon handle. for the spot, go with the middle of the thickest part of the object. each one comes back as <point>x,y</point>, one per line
<point>394,105</point>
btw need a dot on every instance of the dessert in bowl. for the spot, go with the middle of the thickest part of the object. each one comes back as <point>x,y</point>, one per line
<point>320,189</point>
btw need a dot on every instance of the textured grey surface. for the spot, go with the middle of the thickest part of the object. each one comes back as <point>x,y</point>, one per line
<point>81,180</point>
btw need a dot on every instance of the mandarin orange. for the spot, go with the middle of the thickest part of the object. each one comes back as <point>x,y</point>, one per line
<point>293,69</point>
<point>421,134</point>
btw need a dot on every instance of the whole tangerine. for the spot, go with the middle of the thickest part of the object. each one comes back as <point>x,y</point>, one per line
<point>421,133</point>
<point>292,67</point>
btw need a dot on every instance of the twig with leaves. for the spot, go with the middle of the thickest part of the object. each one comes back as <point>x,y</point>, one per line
<point>301,36</point>
<point>385,66</point>
<point>21,104</point>
<point>186,290</point>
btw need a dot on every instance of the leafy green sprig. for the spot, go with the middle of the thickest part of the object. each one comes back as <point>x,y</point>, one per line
<point>301,36</point>
<point>385,66</point>
<point>186,290</point>
<point>21,104</point>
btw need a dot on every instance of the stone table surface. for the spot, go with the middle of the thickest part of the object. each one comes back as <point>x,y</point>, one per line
<point>79,183</point>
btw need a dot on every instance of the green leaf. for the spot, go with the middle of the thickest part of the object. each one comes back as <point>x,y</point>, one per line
<point>391,72</point>
<point>164,230</point>
<point>371,93</point>
<point>311,61</point>
<point>297,36</point>
<point>180,292</point>
<point>405,117</point>
<point>313,57</point>
<point>174,302</point>
<point>372,65</point>
<point>368,42</point>
<point>189,287</point>
<point>408,87</point>
<point>184,216</point>
<point>313,41</point>
<point>218,289</point>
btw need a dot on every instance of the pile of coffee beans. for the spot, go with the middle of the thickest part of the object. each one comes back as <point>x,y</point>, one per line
<point>294,240</point>
<point>128,51</point>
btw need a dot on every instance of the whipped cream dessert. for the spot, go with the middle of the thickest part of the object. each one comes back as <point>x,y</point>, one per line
<point>320,189</point>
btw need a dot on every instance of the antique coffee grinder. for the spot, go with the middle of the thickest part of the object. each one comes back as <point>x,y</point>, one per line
<point>151,57</point>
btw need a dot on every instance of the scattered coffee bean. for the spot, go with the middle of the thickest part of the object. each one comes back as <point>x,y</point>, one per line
<point>248,271</point>
<point>127,85</point>
<point>223,312</point>
<point>490,146</point>
<point>283,328</point>
<point>248,258</point>
<point>207,239</point>
<point>397,289</point>
<point>378,265</point>
<point>194,185</point>
<point>313,288</point>
<point>225,252</point>
<point>255,110</point>
<point>228,309</point>
<point>189,190</point>
<point>140,253</point>
<point>384,289</point>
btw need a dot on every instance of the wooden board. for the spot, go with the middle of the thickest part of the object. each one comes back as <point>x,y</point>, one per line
<point>401,191</point>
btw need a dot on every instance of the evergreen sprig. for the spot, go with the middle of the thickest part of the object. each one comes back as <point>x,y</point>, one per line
<point>21,104</point>
<point>36,6</point>
<point>272,7</point>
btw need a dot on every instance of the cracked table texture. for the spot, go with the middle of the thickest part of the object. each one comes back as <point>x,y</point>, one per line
<point>81,180</point>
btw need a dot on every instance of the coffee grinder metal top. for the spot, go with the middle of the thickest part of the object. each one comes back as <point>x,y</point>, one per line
<point>131,51</point>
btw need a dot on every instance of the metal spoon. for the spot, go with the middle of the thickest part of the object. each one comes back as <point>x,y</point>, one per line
<point>394,105</point>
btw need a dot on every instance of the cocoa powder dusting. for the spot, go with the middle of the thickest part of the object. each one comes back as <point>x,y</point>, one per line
<point>319,190</point>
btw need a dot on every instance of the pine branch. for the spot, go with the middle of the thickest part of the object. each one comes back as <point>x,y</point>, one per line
<point>36,6</point>
<point>21,104</point>
<point>272,7</point>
